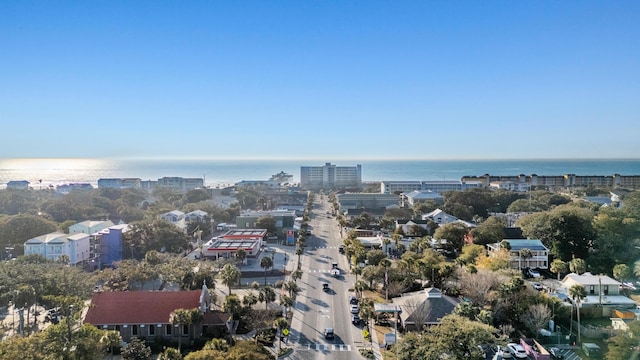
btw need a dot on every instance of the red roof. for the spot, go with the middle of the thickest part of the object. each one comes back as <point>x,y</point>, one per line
<point>138,307</point>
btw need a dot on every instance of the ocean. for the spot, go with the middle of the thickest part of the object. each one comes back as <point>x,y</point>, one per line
<point>43,172</point>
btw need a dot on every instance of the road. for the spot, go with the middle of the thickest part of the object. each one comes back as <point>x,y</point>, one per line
<point>316,309</point>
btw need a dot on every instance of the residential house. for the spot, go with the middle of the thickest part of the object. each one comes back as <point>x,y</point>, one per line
<point>54,245</point>
<point>602,292</point>
<point>439,217</point>
<point>146,314</point>
<point>424,308</point>
<point>196,216</point>
<point>89,227</point>
<point>176,217</point>
<point>18,185</point>
<point>539,253</point>
<point>408,225</point>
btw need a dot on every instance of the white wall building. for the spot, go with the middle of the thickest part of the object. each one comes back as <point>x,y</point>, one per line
<point>53,245</point>
<point>330,176</point>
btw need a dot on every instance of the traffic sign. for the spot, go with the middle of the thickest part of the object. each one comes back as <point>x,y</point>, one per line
<point>365,332</point>
<point>285,332</point>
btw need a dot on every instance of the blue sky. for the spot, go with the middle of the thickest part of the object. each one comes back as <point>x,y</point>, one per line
<point>320,79</point>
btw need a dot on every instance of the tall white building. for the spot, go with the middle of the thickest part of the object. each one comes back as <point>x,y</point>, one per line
<point>330,176</point>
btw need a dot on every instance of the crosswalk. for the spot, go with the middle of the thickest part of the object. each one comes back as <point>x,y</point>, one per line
<point>325,347</point>
<point>323,247</point>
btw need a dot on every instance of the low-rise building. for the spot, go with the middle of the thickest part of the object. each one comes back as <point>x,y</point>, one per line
<point>52,246</point>
<point>147,314</point>
<point>539,253</point>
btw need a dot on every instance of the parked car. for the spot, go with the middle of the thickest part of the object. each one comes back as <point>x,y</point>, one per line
<point>533,273</point>
<point>325,287</point>
<point>355,319</point>
<point>354,309</point>
<point>517,350</point>
<point>341,249</point>
<point>501,353</point>
<point>556,353</point>
<point>537,286</point>
<point>353,300</point>
<point>328,333</point>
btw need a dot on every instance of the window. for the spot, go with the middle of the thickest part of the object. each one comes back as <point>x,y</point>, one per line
<point>168,329</point>
<point>134,330</point>
<point>606,289</point>
<point>152,330</point>
<point>592,289</point>
<point>185,329</point>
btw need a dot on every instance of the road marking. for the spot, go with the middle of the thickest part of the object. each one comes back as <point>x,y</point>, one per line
<point>334,347</point>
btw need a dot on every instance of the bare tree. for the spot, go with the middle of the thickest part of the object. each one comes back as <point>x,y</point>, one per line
<point>537,317</point>
<point>476,286</point>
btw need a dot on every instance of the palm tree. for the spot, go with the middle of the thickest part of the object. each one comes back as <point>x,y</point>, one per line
<point>526,255</point>
<point>266,263</point>
<point>241,254</point>
<point>299,252</point>
<point>386,241</point>
<point>558,266</point>
<point>577,293</point>
<point>280,323</point>
<point>292,287</point>
<point>296,275</point>
<point>179,318</point>
<point>111,339</point>
<point>267,295</point>
<point>230,275</point>
<point>578,266</point>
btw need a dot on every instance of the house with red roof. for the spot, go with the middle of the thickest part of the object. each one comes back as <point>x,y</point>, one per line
<point>146,314</point>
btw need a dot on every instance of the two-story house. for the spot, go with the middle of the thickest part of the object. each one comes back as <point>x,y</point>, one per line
<point>520,259</point>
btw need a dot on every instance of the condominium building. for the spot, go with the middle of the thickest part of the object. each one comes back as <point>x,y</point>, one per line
<point>330,176</point>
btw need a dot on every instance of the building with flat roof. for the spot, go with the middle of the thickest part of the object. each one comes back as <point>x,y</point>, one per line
<point>330,176</point>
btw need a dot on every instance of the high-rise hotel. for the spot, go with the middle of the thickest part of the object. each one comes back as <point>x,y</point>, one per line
<point>330,176</point>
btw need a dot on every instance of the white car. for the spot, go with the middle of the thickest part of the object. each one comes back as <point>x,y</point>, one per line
<point>537,286</point>
<point>517,350</point>
<point>533,273</point>
<point>354,309</point>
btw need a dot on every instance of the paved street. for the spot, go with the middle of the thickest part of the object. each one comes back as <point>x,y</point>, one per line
<point>317,309</point>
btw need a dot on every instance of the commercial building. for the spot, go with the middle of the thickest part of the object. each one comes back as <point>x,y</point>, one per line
<point>330,176</point>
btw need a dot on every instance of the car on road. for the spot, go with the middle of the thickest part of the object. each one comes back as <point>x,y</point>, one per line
<point>328,333</point>
<point>537,286</point>
<point>335,272</point>
<point>354,309</point>
<point>353,300</point>
<point>533,273</point>
<point>325,287</point>
<point>517,350</point>
<point>556,353</point>
<point>341,249</point>
<point>334,265</point>
<point>355,319</point>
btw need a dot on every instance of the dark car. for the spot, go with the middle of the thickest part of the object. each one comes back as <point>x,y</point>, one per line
<point>328,333</point>
<point>325,287</point>
<point>341,249</point>
<point>355,319</point>
<point>353,300</point>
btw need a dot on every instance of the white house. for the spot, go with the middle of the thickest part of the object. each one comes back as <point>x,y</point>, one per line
<point>439,217</point>
<point>539,253</point>
<point>602,291</point>
<point>53,245</point>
